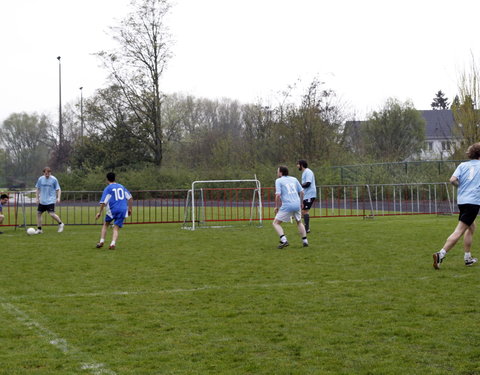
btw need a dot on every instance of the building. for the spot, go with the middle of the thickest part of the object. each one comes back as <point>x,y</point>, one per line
<point>439,134</point>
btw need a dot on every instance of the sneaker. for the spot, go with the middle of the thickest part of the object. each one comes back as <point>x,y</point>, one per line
<point>283,244</point>
<point>112,247</point>
<point>307,230</point>
<point>305,244</point>
<point>39,231</point>
<point>1,232</point>
<point>437,260</point>
<point>60,227</point>
<point>99,245</point>
<point>470,261</point>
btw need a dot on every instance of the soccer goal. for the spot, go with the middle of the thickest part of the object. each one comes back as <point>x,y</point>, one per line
<point>223,203</point>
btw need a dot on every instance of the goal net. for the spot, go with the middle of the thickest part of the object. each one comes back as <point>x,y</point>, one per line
<point>223,203</point>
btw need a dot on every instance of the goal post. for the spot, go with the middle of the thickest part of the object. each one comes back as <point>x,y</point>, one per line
<point>221,203</point>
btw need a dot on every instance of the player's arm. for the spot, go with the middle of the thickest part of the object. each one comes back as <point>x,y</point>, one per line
<point>278,203</point>
<point>454,180</point>
<point>130,206</point>
<point>99,213</point>
<point>306,184</point>
<point>59,194</point>
<point>37,195</point>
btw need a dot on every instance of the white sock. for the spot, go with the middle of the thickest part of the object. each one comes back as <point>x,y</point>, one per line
<point>112,243</point>
<point>102,240</point>
<point>443,252</point>
<point>467,255</point>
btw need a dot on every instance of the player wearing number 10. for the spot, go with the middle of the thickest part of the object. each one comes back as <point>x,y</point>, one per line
<point>118,202</point>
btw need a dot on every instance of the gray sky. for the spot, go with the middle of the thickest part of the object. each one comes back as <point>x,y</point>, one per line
<point>367,51</point>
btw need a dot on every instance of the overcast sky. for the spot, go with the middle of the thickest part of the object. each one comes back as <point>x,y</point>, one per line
<point>250,50</point>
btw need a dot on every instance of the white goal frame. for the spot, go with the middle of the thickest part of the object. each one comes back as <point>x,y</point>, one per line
<point>256,194</point>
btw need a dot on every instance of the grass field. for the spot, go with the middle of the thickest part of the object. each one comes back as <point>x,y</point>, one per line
<point>362,299</point>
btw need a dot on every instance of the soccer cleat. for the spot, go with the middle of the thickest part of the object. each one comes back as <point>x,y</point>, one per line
<point>437,260</point>
<point>283,244</point>
<point>470,261</point>
<point>307,230</point>
<point>60,227</point>
<point>305,244</point>
<point>99,245</point>
<point>112,247</point>
<point>39,231</point>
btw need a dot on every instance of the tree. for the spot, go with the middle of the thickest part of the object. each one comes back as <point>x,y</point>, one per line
<point>440,102</point>
<point>136,68</point>
<point>466,109</point>
<point>395,133</point>
<point>28,140</point>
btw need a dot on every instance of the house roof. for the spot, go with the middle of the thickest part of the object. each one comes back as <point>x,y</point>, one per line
<point>439,124</point>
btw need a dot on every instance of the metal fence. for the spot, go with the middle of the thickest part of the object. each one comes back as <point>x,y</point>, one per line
<point>169,206</point>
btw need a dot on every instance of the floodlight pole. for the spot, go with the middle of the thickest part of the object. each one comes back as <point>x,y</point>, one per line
<point>60,125</point>
<point>81,113</point>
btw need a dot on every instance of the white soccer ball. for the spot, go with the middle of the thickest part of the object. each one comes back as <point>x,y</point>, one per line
<point>31,231</point>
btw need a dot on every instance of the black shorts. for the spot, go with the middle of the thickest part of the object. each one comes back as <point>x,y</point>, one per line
<point>46,207</point>
<point>308,203</point>
<point>468,213</point>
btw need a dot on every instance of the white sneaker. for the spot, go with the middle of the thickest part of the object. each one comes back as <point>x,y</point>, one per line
<point>60,227</point>
<point>470,261</point>
<point>39,231</point>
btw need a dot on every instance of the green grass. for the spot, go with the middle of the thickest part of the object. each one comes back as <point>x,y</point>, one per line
<point>362,299</point>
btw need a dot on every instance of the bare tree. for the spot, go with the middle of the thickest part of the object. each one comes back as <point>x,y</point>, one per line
<point>136,67</point>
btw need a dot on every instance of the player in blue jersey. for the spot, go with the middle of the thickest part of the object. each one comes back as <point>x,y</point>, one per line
<point>467,178</point>
<point>3,201</point>
<point>118,203</point>
<point>47,194</point>
<point>310,189</point>
<point>288,198</point>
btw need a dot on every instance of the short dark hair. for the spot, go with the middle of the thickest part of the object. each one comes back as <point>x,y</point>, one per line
<point>111,176</point>
<point>3,196</point>
<point>473,152</point>
<point>302,163</point>
<point>283,170</point>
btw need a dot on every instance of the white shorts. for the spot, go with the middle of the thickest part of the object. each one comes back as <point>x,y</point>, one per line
<point>286,215</point>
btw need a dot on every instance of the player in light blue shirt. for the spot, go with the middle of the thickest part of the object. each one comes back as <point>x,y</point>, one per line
<point>310,189</point>
<point>118,203</point>
<point>288,198</point>
<point>467,178</point>
<point>3,201</point>
<point>47,194</point>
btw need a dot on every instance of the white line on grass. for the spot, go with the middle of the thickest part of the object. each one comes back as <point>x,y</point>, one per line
<point>213,287</point>
<point>58,342</point>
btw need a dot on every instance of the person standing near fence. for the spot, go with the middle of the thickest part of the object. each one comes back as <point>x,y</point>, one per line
<point>288,198</point>
<point>118,201</point>
<point>467,179</point>
<point>310,190</point>
<point>47,194</point>
<point>3,201</point>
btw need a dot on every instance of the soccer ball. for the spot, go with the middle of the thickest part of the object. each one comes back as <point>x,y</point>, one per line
<point>31,231</point>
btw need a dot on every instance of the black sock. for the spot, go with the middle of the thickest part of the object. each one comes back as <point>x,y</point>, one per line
<point>306,219</point>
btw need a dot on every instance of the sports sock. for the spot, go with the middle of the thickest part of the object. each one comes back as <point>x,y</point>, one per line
<point>102,240</point>
<point>304,239</point>
<point>112,243</point>
<point>467,256</point>
<point>443,252</point>
<point>283,239</point>
<point>306,219</point>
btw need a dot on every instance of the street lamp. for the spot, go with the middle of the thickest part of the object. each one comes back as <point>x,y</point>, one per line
<point>60,125</point>
<point>81,113</point>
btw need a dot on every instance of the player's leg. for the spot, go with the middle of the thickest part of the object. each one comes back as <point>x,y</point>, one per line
<point>281,217</point>
<point>306,205</point>
<point>103,233</point>
<point>467,245</point>
<point>449,244</point>
<point>116,229</point>
<point>57,219</point>
<point>40,211</point>
<point>301,228</point>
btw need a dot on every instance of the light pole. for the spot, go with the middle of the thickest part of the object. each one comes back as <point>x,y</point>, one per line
<point>81,113</point>
<point>60,125</point>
